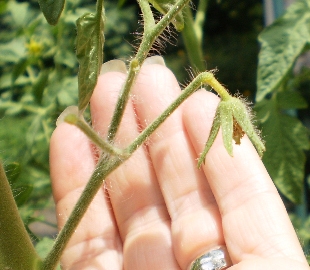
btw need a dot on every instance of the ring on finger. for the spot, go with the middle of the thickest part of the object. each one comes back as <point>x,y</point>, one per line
<point>216,259</point>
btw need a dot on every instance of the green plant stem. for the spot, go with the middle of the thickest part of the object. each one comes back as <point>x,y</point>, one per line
<point>200,19</point>
<point>107,164</point>
<point>103,169</point>
<point>202,78</point>
<point>148,39</point>
<point>148,18</point>
<point>16,249</point>
<point>93,136</point>
<point>192,42</point>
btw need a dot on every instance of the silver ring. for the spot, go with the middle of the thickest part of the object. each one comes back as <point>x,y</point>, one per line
<point>215,259</point>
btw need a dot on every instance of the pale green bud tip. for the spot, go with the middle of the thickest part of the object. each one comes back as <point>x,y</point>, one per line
<point>235,118</point>
<point>68,115</point>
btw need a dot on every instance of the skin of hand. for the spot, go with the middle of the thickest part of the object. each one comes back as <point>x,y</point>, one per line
<point>157,210</point>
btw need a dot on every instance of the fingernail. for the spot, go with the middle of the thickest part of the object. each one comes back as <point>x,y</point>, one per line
<point>156,59</point>
<point>113,65</point>
<point>66,112</point>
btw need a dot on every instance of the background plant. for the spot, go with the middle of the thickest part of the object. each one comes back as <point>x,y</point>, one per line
<point>39,79</point>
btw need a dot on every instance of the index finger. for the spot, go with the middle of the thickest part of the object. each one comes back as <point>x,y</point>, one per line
<point>255,221</point>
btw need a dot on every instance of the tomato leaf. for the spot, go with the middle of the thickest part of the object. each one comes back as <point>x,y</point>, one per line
<point>52,10</point>
<point>286,138</point>
<point>281,44</point>
<point>90,40</point>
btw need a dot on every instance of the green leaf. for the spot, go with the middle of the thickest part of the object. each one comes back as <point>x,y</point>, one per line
<point>286,138</point>
<point>281,44</point>
<point>19,12</point>
<point>13,51</point>
<point>19,69</point>
<point>163,6</point>
<point>22,194</point>
<point>12,172</point>
<point>52,9</point>
<point>65,57</point>
<point>39,86</point>
<point>291,100</point>
<point>90,40</point>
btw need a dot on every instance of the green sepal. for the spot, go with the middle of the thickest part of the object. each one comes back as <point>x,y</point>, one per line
<point>163,6</point>
<point>227,125</point>
<point>90,40</point>
<point>52,10</point>
<point>229,110</point>
<point>243,118</point>
<point>213,133</point>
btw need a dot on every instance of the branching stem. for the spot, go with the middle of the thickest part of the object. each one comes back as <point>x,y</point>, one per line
<point>150,35</point>
<point>93,136</point>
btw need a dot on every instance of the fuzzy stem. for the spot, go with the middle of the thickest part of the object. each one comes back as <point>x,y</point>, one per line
<point>103,169</point>
<point>16,249</point>
<point>93,136</point>
<point>202,78</point>
<point>220,89</point>
<point>148,18</point>
<point>192,41</point>
<point>107,164</point>
<point>148,40</point>
<point>123,99</point>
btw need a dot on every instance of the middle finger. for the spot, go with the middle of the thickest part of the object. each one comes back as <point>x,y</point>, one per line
<point>138,205</point>
<point>196,222</point>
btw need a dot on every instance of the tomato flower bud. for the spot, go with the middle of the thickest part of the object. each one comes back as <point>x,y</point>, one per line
<point>234,117</point>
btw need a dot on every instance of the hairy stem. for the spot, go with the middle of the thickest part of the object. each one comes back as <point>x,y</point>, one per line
<point>107,164</point>
<point>202,78</point>
<point>147,14</point>
<point>93,136</point>
<point>148,40</point>
<point>103,169</point>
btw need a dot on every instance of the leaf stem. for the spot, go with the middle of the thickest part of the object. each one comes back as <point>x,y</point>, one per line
<point>147,14</point>
<point>202,78</point>
<point>200,19</point>
<point>93,136</point>
<point>192,41</point>
<point>149,37</point>
<point>103,169</point>
<point>107,164</point>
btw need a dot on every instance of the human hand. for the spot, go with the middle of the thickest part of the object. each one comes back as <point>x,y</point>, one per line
<point>157,210</point>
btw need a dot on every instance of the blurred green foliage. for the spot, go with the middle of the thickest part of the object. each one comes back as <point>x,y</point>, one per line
<point>39,79</point>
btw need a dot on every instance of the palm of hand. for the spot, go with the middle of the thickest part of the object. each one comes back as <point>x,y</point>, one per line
<point>158,211</point>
